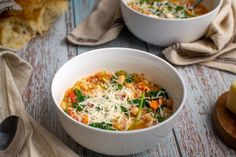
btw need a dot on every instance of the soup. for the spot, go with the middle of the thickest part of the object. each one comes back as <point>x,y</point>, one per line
<point>117,101</point>
<point>171,9</point>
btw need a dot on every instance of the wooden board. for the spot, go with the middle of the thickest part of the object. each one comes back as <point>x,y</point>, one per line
<point>193,136</point>
<point>224,122</point>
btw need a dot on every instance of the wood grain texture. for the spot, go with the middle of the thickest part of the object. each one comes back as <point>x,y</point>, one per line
<point>193,135</point>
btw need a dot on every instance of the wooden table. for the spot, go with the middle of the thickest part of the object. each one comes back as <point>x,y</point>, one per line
<point>193,135</point>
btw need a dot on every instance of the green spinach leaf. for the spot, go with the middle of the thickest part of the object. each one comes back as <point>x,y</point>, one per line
<point>80,97</point>
<point>78,106</point>
<point>155,93</point>
<point>121,72</point>
<point>102,125</point>
<point>123,109</point>
<point>160,118</point>
<point>129,79</point>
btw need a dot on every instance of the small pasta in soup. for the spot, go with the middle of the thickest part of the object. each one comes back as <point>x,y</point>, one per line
<point>171,9</point>
<point>117,101</point>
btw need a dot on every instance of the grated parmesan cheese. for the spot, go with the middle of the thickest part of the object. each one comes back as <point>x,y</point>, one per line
<point>106,104</point>
<point>117,101</point>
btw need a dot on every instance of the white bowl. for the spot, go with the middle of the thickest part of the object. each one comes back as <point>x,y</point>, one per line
<point>164,32</point>
<point>112,59</point>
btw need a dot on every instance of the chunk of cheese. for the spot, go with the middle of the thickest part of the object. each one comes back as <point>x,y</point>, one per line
<point>231,100</point>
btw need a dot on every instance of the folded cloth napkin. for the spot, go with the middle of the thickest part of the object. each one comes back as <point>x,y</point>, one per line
<point>30,140</point>
<point>103,25</point>
<point>216,49</point>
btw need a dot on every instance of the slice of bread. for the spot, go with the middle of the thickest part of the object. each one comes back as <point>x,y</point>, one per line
<point>36,17</point>
<point>14,33</point>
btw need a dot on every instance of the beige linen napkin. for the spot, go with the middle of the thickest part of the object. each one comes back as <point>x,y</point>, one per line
<point>31,140</point>
<point>103,25</point>
<point>216,49</point>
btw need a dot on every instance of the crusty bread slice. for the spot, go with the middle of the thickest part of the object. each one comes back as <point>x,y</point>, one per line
<point>14,33</point>
<point>36,17</point>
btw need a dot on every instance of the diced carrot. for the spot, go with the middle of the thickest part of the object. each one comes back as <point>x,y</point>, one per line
<point>154,105</point>
<point>72,96</point>
<point>69,111</point>
<point>85,119</point>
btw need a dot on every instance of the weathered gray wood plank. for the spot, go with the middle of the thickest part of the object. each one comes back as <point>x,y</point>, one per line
<point>195,131</point>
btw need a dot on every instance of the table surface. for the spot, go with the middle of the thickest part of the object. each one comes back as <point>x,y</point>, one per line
<point>193,135</point>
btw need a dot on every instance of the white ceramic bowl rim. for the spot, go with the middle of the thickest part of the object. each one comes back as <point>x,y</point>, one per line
<point>131,131</point>
<point>166,19</point>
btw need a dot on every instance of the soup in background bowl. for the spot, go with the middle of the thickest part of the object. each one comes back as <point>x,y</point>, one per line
<point>154,69</point>
<point>166,31</point>
<point>170,9</point>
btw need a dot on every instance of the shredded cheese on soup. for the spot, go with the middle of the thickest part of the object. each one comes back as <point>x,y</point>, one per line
<point>117,101</point>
